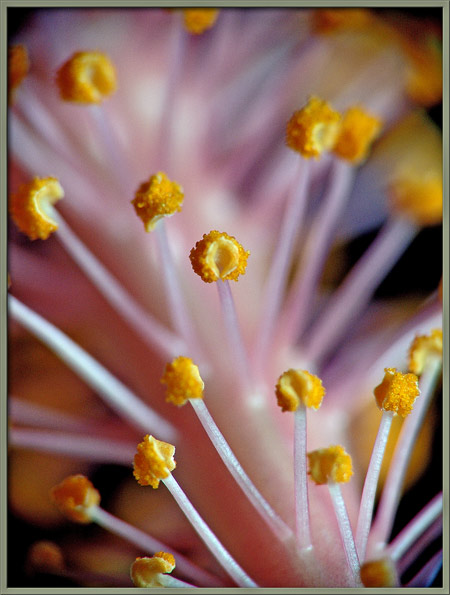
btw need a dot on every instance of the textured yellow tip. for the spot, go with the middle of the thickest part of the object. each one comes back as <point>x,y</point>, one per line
<point>45,556</point>
<point>397,392</point>
<point>18,67</point>
<point>313,129</point>
<point>333,20</point>
<point>198,20</point>
<point>356,134</point>
<point>145,572</point>
<point>75,497</point>
<point>330,464</point>
<point>299,386</point>
<point>31,207</point>
<point>183,381</point>
<point>87,77</point>
<point>218,256</point>
<point>153,461</point>
<point>157,198</point>
<point>379,573</point>
<point>421,348</point>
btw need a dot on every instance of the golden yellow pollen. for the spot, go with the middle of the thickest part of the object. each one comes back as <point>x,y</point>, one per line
<point>418,197</point>
<point>145,572</point>
<point>157,198</point>
<point>313,129</point>
<point>153,461</point>
<point>421,348</point>
<point>331,20</point>
<point>87,77</point>
<point>397,392</point>
<point>31,207</point>
<point>75,497</point>
<point>18,67</point>
<point>356,134</point>
<point>183,381</point>
<point>218,256</point>
<point>299,386</point>
<point>198,20</point>
<point>330,464</point>
<point>45,556</point>
<point>379,573</point>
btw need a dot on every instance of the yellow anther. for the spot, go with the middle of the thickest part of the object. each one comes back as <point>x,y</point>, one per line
<point>18,67</point>
<point>157,198</point>
<point>218,256</point>
<point>397,392</point>
<point>299,386</point>
<point>76,497</point>
<point>183,381</point>
<point>153,461</point>
<point>313,129</point>
<point>31,207</point>
<point>333,20</point>
<point>379,573</point>
<point>418,197</point>
<point>198,20</point>
<point>356,134</point>
<point>45,556</point>
<point>330,464</point>
<point>422,347</point>
<point>145,572</point>
<point>87,77</point>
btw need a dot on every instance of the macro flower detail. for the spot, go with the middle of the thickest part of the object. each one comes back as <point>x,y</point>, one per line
<point>218,256</point>
<point>31,207</point>
<point>18,66</point>
<point>87,77</point>
<point>157,198</point>
<point>302,132</point>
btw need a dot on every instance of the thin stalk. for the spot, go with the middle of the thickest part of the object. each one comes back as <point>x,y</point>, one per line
<point>26,413</point>
<point>301,479</point>
<point>224,558</point>
<point>115,394</point>
<point>433,532</point>
<point>425,577</point>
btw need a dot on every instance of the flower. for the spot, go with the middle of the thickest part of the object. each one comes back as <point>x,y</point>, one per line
<point>292,131</point>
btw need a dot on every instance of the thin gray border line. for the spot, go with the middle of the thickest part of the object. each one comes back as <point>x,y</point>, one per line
<point>444,4</point>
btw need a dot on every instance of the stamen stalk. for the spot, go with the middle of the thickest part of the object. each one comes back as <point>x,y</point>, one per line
<point>345,530</point>
<point>221,554</point>
<point>275,523</point>
<point>359,284</point>
<point>370,484</point>
<point>413,553</point>
<point>301,479</point>
<point>116,394</point>
<point>426,576</point>
<point>37,415</point>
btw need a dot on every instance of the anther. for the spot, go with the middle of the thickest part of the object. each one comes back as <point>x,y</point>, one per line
<point>18,67</point>
<point>295,387</point>
<point>87,77</point>
<point>356,134</point>
<point>335,20</point>
<point>397,392</point>
<point>313,129</point>
<point>199,20</point>
<point>157,198</point>
<point>423,347</point>
<point>45,556</point>
<point>146,572</point>
<point>31,207</point>
<point>332,464</point>
<point>218,256</point>
<point>153,461</point>
<point>183,381</point>
<point>76,498</point>
<point>379,573</point>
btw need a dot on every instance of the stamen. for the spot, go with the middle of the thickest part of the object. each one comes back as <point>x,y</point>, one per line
<point>418,197</point>
<point>395,395</point>
<point>333,466</point>
<point>183,381</point>
<point>87,77</point>
<point>18,67</point>
<point>313,129</point>
<point>422,348</point>
<point>153,463</point>
<point>45,556</point>
<point>296,390</point>
<point>433,532</point>
<point>76,497</point>
<point>27,413</point>
<point>116,394</point>
<point>31,207</point>
<point>334,20</point>
<point>356,134</point>
<point>218,256</point>
<point>149,572</point>
<point>426,576</point>
<point>358,286</point>
<point>157,198</point>
<point>199,20</point>
<point>380,573</point>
